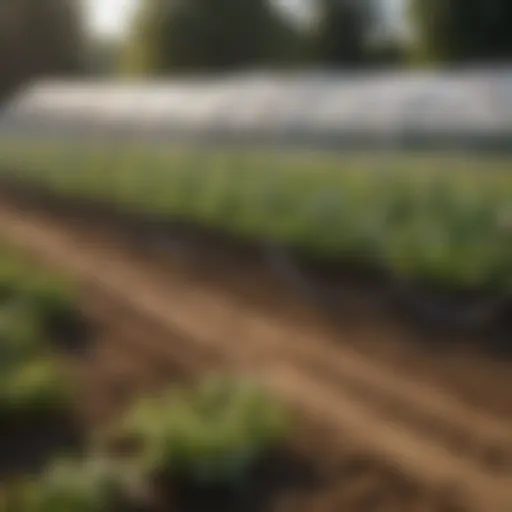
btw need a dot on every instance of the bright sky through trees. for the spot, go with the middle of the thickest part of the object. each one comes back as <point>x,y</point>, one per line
<point>111,17</point>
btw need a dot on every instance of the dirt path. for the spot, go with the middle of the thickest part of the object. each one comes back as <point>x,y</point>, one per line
<point>427,434</point>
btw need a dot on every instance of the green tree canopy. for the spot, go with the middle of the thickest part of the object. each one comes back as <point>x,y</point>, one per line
<point>462,31</point>
<point>204,35</point>
<point>341,32</point>
<point>39,38</point>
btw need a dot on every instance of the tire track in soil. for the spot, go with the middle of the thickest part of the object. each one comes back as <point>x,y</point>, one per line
<point>436,415</point>
<point>268,350</point>
<point>120,364</point>
<point>351,481</point>
<point>471,374</point>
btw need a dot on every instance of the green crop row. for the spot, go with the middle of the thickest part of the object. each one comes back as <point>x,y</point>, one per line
<point>34,307</point>
<point>443,221</point>
<point>212,435</point>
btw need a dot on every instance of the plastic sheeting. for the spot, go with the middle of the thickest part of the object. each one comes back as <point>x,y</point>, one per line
<point>469,109</point>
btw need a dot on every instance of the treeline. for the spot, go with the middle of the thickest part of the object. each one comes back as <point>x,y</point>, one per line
<point>39,38</point>
<point>170,36</point>
<point>217,35</point>
<point>462,31</point>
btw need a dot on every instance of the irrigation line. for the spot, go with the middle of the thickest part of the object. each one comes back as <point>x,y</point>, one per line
<point>284,267</point>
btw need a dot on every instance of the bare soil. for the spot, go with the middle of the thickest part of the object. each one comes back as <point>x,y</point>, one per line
<point>395,425</point>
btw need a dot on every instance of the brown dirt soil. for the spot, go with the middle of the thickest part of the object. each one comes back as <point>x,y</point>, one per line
<point>116,362</point>
<point>411,416</point>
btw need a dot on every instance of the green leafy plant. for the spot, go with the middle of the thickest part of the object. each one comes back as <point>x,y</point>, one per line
<point>20,335</point>
<point>53,303</point>
<point>31,304</point>
<point>93,484</point>
<point>32,387</point>
<point>211,435</point>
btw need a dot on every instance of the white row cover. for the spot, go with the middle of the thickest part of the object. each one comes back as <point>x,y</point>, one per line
<point>468,107</point>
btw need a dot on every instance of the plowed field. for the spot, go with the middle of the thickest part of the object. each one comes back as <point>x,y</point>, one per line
<point>390,423</point>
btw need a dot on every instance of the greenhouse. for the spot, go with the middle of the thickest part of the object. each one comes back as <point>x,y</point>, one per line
<point>395,110</point>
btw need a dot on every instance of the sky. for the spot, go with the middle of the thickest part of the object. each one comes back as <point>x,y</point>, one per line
<point>111,17</point>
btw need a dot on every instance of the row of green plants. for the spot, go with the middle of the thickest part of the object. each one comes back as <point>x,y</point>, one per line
<point>36,309</point>
<point>442,221</point>
<point>211,435</point>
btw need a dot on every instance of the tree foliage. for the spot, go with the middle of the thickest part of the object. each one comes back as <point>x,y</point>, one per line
<point>341,32</point>
<point>103,56</point>
<point>38,38</point>
<point>204,35</point>
<point>462,31</point>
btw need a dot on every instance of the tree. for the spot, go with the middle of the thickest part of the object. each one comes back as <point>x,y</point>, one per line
<point>203,35</point>
<point>462,31</point>
<point>341,32</point>
<point>388,53</point>
<point>103,56</point>
<point>39,39</point>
